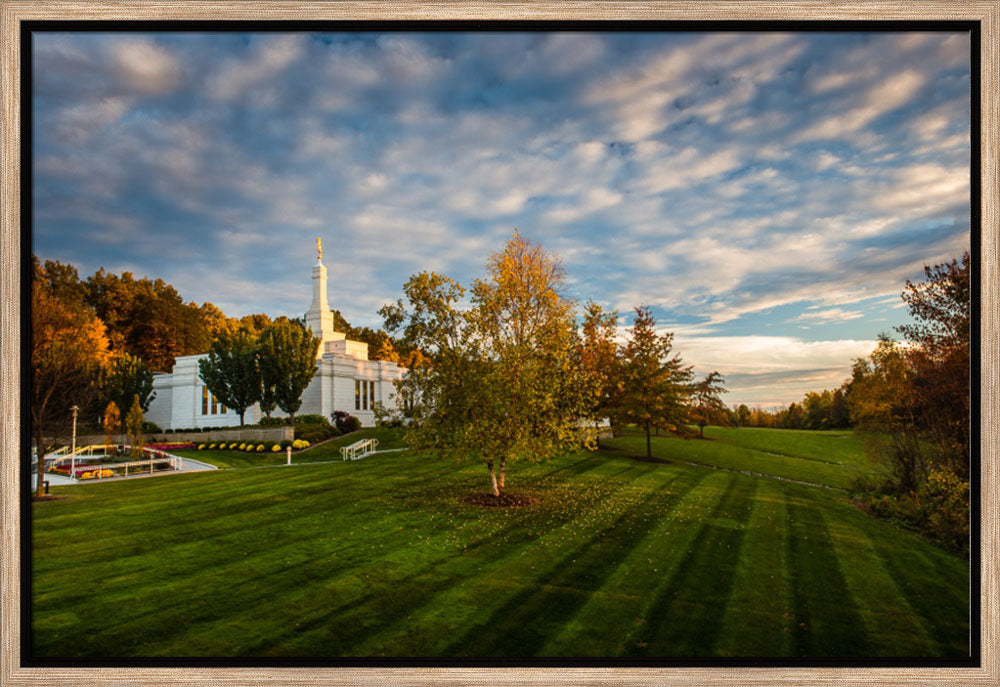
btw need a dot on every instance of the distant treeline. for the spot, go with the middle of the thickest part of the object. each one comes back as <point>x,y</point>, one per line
<point>148,318</point>
<point>817,410</point>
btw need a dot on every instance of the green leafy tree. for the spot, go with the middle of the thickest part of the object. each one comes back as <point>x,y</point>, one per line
<point>287,362</point>
<point>706,402</point>
<point>655,382</point>
<point>133,427</point>
<point>599,363</point>
<point>69,354</point>
<point>231,372</point>
<point>501,380</point>
<point>127,378</point>
<point>743,415</point>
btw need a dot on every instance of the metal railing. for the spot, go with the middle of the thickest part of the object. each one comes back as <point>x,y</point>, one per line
<point>359,449</point>
<point>153,457</point>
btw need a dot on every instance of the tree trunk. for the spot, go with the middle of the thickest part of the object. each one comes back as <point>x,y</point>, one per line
<point>241,416</point>
<point>649,450</point>
<point>701,430</point>
<point>493,478</point>
<point>40,450</point>
<point>503,472</point>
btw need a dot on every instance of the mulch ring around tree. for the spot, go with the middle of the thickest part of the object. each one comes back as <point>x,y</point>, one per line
<point>505,500</point>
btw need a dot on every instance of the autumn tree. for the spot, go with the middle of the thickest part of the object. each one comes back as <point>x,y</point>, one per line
<point>129,377</point>
<point>133,428</point>
<point>230,370</point>
<point>938,355</point>
<point>112,422</point>
<point>706,402</point>
<point>69,352</point>
<point>146,318</point>
<point>655,381</point>
<point>501,381</point>
<point>287,363</point>
<point>882,407</point>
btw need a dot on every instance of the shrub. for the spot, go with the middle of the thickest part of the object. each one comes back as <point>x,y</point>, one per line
<point>260,448</point>
<point>201,447</point>
<point>285,443</point>
<point>275,448</point>
<point>210,446</point>
<point>273,422</point>
<point>242,446</point>
<point>250,448</point>
<point>150,428</point>
<point>346,422</point>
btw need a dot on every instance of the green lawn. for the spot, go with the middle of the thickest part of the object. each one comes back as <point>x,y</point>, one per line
<point>325,451</point>
<point>828,458</point>
<point>378,557</point>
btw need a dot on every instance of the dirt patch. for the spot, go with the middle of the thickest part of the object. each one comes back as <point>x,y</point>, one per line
<point>505,500</point>
<point>46,497</point>
<point>647,459</point>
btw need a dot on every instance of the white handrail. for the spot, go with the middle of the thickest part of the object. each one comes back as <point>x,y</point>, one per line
<point>359,449</point>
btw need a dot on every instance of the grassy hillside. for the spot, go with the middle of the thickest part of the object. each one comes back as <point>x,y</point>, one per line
<point>827,458</point>
<point>379,557</point>
<point>327,450</point>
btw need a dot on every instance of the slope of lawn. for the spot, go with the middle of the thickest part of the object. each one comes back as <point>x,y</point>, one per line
<point>379,557</point>
<point>841,447</point>
<point>747,449</point>
<point>325,451</point>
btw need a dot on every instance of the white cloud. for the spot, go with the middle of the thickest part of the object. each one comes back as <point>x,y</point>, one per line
<point>146,67</point>
<point>881,98</point>
<point>831,315</point>
<point>271,57</point>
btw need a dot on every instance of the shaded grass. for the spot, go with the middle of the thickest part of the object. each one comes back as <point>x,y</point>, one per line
<point>379,557</point>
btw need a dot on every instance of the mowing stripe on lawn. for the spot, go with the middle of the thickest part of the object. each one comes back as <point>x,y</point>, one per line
<point>686,614</point>
<point>468,598</point>
<point>889,620</point>
<point>615,609</point>
<point>758,618</point>
<point>827,621</point>
<point>518,628</point>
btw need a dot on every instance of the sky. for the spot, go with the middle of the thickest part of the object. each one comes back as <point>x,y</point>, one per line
<point>766,194</point>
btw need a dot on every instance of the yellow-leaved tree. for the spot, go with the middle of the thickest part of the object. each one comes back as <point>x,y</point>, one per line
<point>69,352</point>
<point>501,380</point>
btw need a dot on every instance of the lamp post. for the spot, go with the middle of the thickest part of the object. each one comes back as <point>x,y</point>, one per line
<point>72,459</point>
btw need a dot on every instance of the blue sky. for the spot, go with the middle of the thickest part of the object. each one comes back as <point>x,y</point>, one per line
<point>766,194</point>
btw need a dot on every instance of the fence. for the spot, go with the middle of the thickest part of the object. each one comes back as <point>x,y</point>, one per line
<point>274,435</point>
<point>148,465</point>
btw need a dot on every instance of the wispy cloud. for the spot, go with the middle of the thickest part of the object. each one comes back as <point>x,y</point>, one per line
<point>742,185</point>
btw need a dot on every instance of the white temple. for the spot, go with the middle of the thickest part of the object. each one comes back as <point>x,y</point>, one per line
<point>345,379</point>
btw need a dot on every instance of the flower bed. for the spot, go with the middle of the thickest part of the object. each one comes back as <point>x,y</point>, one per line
<point>167,446</point>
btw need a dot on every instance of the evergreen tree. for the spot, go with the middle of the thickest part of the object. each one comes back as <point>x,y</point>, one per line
<point>655,383</point>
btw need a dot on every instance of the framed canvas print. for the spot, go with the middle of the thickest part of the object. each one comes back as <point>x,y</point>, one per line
<point>572,343</point>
